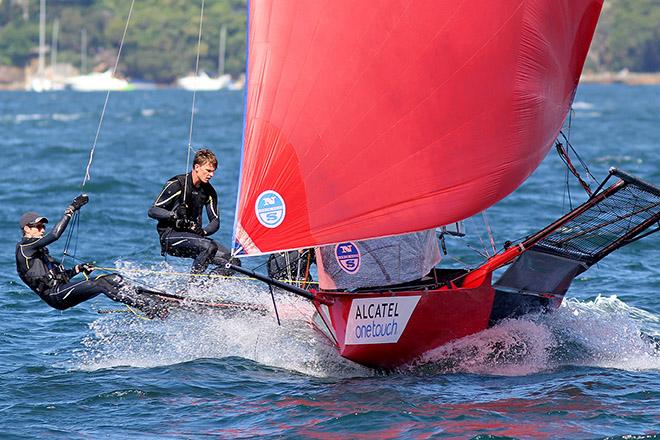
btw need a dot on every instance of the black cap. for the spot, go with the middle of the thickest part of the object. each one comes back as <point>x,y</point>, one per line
<point>31,217</point>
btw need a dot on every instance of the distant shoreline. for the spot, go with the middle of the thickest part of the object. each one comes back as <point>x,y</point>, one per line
<point>623,77</point>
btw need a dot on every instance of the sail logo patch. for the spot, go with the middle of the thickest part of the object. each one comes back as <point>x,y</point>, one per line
<point>379,320</point>
<point>348,257</point>
<point>270,209</point>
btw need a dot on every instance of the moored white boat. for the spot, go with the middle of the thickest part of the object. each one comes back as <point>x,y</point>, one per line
<point>95,82</point>
<point>39,84</point>
<point>203,82</point>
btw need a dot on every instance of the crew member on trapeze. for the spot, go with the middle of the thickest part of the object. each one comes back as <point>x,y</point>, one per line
<point>53,283</point>
<point>179,208</point>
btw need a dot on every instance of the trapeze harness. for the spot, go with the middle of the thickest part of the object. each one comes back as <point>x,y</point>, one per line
<point>190,243</point>
<point>52,282</point>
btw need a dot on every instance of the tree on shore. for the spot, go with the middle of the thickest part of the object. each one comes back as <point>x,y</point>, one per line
<point>160,44</point>
<point>161,41</point>
<point>627,37</point>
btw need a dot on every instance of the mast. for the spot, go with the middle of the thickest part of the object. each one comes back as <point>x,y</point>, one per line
<point>83,51</point>
<point>221,50</point>
<point>42,39</point>
<point>26,10</point>
<point>53,53</point>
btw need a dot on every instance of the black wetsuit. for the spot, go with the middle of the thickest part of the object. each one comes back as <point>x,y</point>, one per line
<point>190,243</point>
<point>52,282</point>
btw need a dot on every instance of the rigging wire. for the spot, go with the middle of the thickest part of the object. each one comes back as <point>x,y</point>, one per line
<point>489,231</point>
<point>177,274</point>
<point>87,176</point>
<point>580,160</point>
<point>567,193</point>
<point>481,240</point>
<point>192,110</point>
<point>75,220</point>
<point>73,231</point>
<point>564,155</point>
<point>568,188</point>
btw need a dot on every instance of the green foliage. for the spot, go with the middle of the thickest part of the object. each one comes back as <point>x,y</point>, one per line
<point>634,37</point>
<point>17,43</point>
<point>161,42</point>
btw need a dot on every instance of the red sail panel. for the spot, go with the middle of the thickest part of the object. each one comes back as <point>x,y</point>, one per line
<point>367,119</point>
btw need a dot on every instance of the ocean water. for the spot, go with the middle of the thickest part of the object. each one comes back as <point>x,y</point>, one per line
<point>589,370</point>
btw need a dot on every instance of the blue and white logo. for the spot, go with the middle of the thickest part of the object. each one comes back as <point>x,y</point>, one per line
<point>348,256</point>
<point>270,209</point>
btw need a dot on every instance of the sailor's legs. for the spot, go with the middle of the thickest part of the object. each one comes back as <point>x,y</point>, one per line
<point>202,250</point>
<point>221,258</point>
<point>67,295</point>
<point>73,293</point>
<point>133,296</point>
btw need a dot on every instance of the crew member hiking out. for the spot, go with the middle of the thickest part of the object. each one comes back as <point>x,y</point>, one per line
<point>178,210</point>
<point>53,283</point>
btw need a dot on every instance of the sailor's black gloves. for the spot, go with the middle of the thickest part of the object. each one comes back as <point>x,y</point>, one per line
<point>85,268</point>
<point>183,224</point>
<point>196,229</point>
<point>188,226</point>
<point>79,202</point>
<point>181,212</point>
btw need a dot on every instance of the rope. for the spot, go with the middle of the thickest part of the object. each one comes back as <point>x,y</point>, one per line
<point>105,104</point>
<point>483,245</point>
<point>489,231</point>
<point>582,162</point>
<point>136,313</point>
<point>192,110</point>
<point>563,154</point>
<point>173,273</point>
<point>76,219</point>
<point>69,235</point>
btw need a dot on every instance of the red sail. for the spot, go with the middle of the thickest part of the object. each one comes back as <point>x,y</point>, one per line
<point>366,119</point>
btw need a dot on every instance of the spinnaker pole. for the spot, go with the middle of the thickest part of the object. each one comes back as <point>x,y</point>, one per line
<point>272,282</point>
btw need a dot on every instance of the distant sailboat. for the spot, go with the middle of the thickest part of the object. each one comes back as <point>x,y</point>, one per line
<point>95,82</point>
<point>40,83</point>
<point>56,76</point>
<point>202,81</point>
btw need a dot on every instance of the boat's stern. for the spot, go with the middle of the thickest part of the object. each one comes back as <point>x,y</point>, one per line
<point>388,329</point>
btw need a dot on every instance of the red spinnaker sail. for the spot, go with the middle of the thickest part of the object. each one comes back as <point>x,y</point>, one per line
<point>373,118</point>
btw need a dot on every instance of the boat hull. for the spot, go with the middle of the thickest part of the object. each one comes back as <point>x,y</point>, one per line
<point>393,326</point>
<point>389,329</point>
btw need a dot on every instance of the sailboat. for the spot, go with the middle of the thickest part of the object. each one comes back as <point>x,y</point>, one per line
<point>368,122</point>
<point>202,81</point>
<point>98,81</point>
<point>40,83</point>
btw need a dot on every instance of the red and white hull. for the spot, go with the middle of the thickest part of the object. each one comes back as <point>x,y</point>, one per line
<point>389,329</point>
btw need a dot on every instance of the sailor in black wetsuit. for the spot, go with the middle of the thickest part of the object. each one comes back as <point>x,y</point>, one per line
<point>178,210</point>
<point>52,282</point>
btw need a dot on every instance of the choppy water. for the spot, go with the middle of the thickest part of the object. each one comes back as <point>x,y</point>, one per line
<point>590,370</point>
